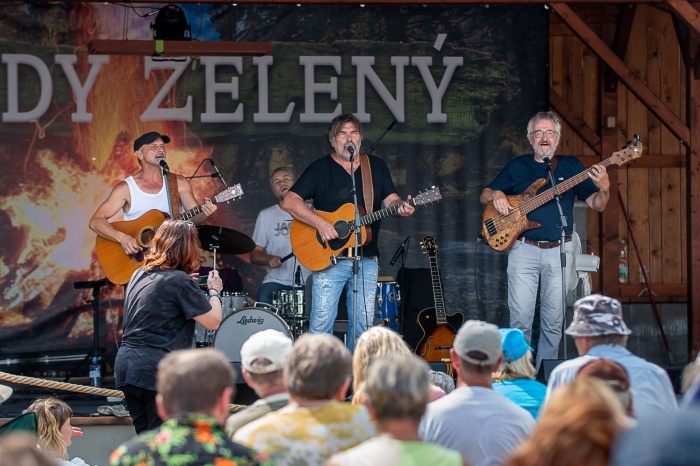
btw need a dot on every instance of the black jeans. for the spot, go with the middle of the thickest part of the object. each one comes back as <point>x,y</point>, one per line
<point>142,407</point>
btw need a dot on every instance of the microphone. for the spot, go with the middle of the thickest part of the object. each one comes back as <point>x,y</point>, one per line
<point>163,164</point>
<point>218,173</point>
<point>297,277</point>
<point>350,147</point>
<point>400,250</point>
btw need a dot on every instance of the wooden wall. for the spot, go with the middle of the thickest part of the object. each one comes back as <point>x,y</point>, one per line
<point>653,188</point>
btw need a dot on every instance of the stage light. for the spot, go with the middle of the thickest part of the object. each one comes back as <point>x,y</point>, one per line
<point>171,24</point>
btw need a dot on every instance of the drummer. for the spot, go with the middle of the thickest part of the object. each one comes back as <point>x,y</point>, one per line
<point>272,246</point>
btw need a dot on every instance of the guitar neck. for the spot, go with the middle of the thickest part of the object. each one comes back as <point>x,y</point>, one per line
<point>380,214</point>
<point>193,212</point>
<point>546,196</point>
<point>437,291</point>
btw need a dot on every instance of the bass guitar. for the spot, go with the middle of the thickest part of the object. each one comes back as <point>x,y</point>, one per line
<point>439,329</point>
<point>316,254</point>
<point>118,266</point>
<point>501,231</point>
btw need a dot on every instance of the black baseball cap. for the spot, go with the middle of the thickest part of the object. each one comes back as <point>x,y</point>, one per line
<point>149,138</point>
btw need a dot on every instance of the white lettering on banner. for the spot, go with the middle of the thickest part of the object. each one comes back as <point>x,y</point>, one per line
<point>264,115</point>
<point>13,115</point>
<point>311,88</point>
<point>364,72</point>
<point>154,112</point>
<point>423,64</point>
<point>81,92</point>
<point>212,88</point>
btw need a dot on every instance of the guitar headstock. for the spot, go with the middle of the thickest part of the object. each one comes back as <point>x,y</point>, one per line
<point>427,197</point>
<point>627,154</point>
<point>230,193</point>
<point>429,246</point>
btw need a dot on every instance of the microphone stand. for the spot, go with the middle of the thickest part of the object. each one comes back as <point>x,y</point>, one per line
<point>401,324</point>
<point>164,169</point>
<point>356,253</point>
<point>562,249</point>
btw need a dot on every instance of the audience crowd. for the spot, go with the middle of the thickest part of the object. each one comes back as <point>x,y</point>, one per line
<point>321,405</point>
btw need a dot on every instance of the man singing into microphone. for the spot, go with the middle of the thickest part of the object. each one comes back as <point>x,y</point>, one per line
<point>328,182</point>
<point>535,258</point>
<point>143,191</point>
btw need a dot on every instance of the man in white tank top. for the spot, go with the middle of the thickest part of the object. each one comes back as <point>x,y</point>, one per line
<point>144,191</point>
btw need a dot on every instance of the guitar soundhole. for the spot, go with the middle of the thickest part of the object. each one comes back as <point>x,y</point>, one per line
<point>343,229</point>
<point>146,237</point>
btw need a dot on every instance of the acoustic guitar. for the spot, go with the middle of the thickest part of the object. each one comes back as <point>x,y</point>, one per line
<point>439,329</point>
<point>501,231</point>
<point>316,254</point>
<point>118,266</point>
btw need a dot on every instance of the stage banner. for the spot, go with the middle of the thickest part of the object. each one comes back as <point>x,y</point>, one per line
<point>444,93</point>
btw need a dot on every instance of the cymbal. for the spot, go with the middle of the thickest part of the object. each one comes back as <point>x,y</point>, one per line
<point>224,240</point>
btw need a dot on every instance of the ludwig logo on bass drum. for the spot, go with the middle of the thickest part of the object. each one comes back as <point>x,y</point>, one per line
<point>251,320</point>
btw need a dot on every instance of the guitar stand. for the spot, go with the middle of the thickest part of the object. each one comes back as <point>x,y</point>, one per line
<point>95,352</point>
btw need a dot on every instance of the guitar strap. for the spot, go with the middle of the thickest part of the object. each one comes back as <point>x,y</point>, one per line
<point>367,187</point>
<point>174,196</point>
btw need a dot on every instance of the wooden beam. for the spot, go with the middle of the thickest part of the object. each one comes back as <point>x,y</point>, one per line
<point>687,13</point>
<point>178,48</point>
<point>608,228</point>
<point>574,120</point>
<point>635,85</point>
<point>645,161</point>
<point>622,37</point>
<point>693,212</point>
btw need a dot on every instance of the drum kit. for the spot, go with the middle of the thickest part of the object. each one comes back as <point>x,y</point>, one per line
<point>287,313</point>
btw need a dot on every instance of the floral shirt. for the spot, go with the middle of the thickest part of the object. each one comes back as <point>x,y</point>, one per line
<point>191,440</point>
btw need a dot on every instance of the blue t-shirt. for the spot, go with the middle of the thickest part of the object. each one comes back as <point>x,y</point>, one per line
<point>526,393</point>
<point>524,170</point>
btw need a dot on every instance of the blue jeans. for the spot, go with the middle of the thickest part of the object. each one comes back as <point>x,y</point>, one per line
<point>267,289</point>
<point>327,287</point>
<point>529,266</point>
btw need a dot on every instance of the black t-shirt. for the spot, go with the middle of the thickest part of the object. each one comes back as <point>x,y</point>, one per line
<point>327,183</point>
<point>158,318</point>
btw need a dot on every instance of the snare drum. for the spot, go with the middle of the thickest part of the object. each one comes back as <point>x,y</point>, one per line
<point>290,304</point>
<point>239,326</point>
<point>230,301</point>
<point>388,298</point>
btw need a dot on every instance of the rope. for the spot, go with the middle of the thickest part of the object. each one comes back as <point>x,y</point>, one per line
<point>70,387</point>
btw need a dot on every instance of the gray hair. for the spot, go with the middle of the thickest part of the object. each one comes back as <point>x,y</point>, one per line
<point>318,366</point>
<point>339,121</point>
<point>397,387</point>
<point>543,116</point>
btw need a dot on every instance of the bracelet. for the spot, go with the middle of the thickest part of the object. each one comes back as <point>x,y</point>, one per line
<point>215,295</point>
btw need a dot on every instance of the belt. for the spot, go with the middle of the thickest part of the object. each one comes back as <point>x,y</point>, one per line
<point>544,244</point>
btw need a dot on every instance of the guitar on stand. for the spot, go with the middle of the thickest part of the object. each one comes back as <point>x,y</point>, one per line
<point>119,266</point>
<point>439,329</point>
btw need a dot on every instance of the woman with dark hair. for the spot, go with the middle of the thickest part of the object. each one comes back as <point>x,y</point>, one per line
<point>161,304</point>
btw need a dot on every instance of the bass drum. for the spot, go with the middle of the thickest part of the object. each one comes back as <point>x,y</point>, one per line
<point>239,326</point>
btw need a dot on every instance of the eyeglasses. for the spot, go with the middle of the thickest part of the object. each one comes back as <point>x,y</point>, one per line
<point>549,134</point>
<point>186,222</point>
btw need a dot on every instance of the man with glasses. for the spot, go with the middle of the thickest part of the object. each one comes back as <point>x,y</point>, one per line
<point>328,182</point>
<point>534,260</point>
